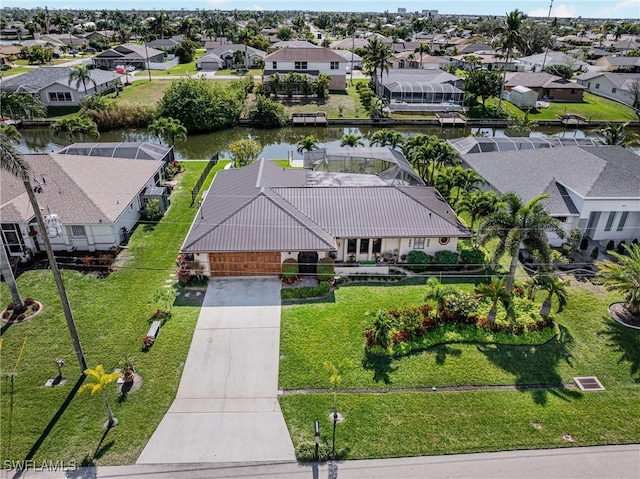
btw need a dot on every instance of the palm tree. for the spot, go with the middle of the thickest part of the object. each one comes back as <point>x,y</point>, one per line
<point>467,180</point>
<point>168,129</point>
<point>478,204</point>
<point>496,292</point>
<point>18,106</point>
<point>238,59</point>
<point>386,137</point>
<point>308,143</point>
<point>617,134</point>
<point>624,276</point>
<point>351,139</point>
<point>553,286</point>
<point>381,327</point>
<point>438,293</point>
<point>376,56</point>
<point>75,127</point>
<point>101,380</point>
<point>510,36</point>
<point>82,75</point>
<point>516,223</point>
<point>422,49</point>
<point>446,181</point>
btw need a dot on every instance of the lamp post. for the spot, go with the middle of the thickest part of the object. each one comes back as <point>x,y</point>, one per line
<point>316,430</point>
<point>66,307</point>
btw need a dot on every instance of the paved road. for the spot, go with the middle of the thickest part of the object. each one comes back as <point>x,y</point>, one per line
<point>226,408</point>
<point>615,462</point>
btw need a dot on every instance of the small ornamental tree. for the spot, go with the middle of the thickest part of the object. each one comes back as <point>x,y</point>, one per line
<point>266,113</point>
<point>99,381</point>
<point>186,51</point>
<point>244,152</point>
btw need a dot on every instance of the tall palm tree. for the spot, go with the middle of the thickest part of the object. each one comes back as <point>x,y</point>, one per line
<point>376,56</point>
<point>478,204</point>
<point>467,180</point>
<point>495,291</point>
<point>386,137</point>
<point>100,381</point>
<point>624,276</point>
<point>169,130</point>
<point>446,181</point>
<point>351,139</point>
<point>617,134</point>
<point>516,223</point>
<point>82,75</point>
<point>552,284</point>
<point>75,127</point>
<point>510,37</point>
<point>308,143</point>
<point>422,48</point>
<point>19,106</point>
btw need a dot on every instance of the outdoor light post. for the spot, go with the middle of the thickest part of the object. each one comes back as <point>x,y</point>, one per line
<point>59,364</point>
<point>316,429</point>
<point>335,422</point>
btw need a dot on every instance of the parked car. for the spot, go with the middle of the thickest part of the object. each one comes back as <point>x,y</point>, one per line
<point>131,68</point>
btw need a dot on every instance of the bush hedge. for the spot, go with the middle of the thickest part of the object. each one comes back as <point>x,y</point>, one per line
<point>418,260</point>
<point>289,269</point>
<point>326,269</point>
<point>445,258</point>
<point>309,292</point>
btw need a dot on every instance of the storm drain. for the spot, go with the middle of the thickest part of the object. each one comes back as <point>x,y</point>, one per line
<point>590,383</point>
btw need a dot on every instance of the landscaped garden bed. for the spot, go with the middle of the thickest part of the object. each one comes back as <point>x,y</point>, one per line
<point>11,314</point>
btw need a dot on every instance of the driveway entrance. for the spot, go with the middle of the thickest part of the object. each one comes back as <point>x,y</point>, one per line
<point>226,409</point>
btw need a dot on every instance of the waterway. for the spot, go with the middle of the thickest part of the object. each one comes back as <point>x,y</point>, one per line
<point>277,143</point>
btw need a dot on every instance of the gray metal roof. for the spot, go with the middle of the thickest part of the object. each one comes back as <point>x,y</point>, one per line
<point>417,75</point>
<point>263,207</point>
<point>421,87</point>
<point>480,144</point>
<point>133,150</point>
<point>590,172</point>
<point>35,80</point>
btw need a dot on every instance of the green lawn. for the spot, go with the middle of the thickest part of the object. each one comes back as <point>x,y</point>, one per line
<point>593,108</point>
<point>180,69</point>
<point>15,71</point>
<point>144,92</point>
<point>589,343</point>
<point>112,316</point>
<point>252,72</point>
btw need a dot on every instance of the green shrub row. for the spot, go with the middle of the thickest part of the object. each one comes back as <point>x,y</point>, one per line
<point>309,292</point>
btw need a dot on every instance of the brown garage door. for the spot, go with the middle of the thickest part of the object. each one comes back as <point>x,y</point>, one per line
<point>244,264</point>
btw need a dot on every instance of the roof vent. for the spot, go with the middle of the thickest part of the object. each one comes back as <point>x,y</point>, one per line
<point>590,383</point>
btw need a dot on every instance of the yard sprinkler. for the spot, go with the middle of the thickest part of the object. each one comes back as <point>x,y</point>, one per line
<point>59,364</point>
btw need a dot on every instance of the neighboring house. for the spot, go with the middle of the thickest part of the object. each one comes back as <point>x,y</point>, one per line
<point>388,164</point>
<point>351,43</point>
<point>209,63</point>
<point>548,87</point>
<point>291,44</point>
<point>619,64</point>
<point>309,61</point>
<point>473,48</point>
<point>411,89</point>
<point>485,144</point>
<point>594,188</point>
<point>616,86</point>
<point>128,54</point>
<point>165,44</point>
<point>253,218</point>
<point>352,60</point>
<point>488,61</point>
<point>97,201</point>
<point>64,39</point>
<point>53,86</point>
<point>533,63</point>
<point>410,59</point>
<point>225,53</point>
<point>99,36</point>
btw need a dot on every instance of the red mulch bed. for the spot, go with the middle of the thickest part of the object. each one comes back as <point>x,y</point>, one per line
<point>622,315</point>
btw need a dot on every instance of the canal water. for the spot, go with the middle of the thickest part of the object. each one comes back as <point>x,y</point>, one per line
<point>277,143</point>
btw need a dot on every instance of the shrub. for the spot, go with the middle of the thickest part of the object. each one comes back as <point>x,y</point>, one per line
<point>471,256</point>
<point>595,252</point>
<point>620,248</point>
<point>152,210</point>
<point>326,269</point>
<point>584,244</point>
<point>445,258</point>
<point>267,113</point>
<point>35,307</point>
<point>610,245</point>
<point>418,260</point>
<point>310,292</point>
<point>306,451</point>
<point>96,102</point>
<point>186,51</point>
<point>126,115</point>
<point>28,301</point>
<point>289,269</point>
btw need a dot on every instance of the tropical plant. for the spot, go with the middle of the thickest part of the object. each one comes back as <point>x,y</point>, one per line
<point>186,51</point>
<point>76,127</point>
<point>495,293</point>
<point>428,155</point>
<point>437,292</point>
<point>351,139</point>
<point>422,49</point>
<point>623,276</point>
<point>238,59</point>
<point>267,113</point>
<point>550,283</point>
<point>522,125</point>
<point>380,328</point>
<point>244,152</point>
<point>82,75</point>
<point>466,180</point>
<point>478,204</point>
<point>617,134</point>
<point>516,223</point>
<point>308,143</point>
<point>168,130</point>
<point>386,137</point>
<point>18,106</point>
<point>510,36</point>
<point>483,84</point>
<point>377,56</point>
<point>99,381</point>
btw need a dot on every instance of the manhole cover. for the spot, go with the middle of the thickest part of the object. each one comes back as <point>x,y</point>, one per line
<point>590,383</point>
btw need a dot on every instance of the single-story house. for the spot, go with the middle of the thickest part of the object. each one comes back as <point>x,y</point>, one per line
<point>165,44</point>
<point>619,64</point>
<point>64,39</point>
<point>291,44</point>
<point>351,59</point>
<point>548,87</point>
<point>53,86</point>
<point>128,54</point>
<point>616,86</point>
<point>209,62</point>
<point>411,59</point>
<point>310,61</point>
<point>487,61</point>
<point>414,89</point>
<point>254,218</point>
<point>225,53</point>
<point>96,200</point>
<point>389,164</point>
<point>533,63</point>
<point>594,188</point>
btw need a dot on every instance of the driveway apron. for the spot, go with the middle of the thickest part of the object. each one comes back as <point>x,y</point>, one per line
<point>226,408</point>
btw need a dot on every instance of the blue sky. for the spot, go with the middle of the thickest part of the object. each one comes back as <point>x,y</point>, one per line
<point>584,8</point>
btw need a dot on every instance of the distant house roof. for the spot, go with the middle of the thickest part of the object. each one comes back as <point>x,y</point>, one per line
<point>164,43</point>
<point>554,58</point>
<point>349,43</point>
<point>417,76</point>
<point>590,172</point>
<point>129,51</point>
<point>209,58</point>
<point>35,80</point>
<point>540,80</point>
<point>347,55</point>
<point>80,189</point>
<point>232,47</point>
<point>263,207</point>
<point>481,144</point>
<point>304,54</point>
<point>620,80</point>
<point>621,61</point>
<point>132,150</point>
<point>293,44</point>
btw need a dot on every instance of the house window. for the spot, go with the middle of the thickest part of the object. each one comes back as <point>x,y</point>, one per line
<point>418,243</point>
<point>574,91</point>
<point>78,231</point>
<point>377,246</point>
<point>59,96</point>
<point>335,65</point>
<point>613,90</point>
<point>623,220</point>
<point>364,245</point>
<point>351,246</point>
<point>12,237</point>
<point>612,216</point>
<point>275,65</point>
<point>301,65</point>
<point>589,85</point>
<point>443,240</point>
<point>597,85</point>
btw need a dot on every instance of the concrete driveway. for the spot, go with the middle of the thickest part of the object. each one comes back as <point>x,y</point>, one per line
<point>226,409</point>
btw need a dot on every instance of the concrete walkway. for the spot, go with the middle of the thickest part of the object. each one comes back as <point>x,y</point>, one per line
<point>226,409</point>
